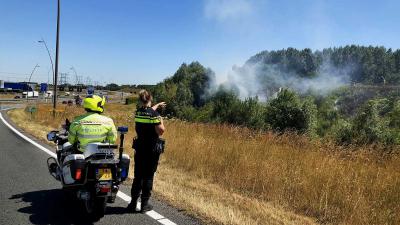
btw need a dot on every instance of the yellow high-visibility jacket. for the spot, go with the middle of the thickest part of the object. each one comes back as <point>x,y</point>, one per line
<point>92,127</point>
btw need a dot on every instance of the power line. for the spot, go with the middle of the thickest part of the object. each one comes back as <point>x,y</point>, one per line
<point>80,79</point>
<point>63,78</point>
<point>23,74</point>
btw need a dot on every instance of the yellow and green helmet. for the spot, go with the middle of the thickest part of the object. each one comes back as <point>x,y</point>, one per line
<point>94,103</point>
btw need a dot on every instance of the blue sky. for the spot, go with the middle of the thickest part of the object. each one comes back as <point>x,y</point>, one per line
<point>145,41</point>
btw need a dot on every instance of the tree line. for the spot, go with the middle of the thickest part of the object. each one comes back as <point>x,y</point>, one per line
<point>367,65</point>
<point>345,115</point>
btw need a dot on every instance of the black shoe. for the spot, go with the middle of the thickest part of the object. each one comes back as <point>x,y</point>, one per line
<point>111,199</point>
<point>146,206</point>
<point>132,206</point>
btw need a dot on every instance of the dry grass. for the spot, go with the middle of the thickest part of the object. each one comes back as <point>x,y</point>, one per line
<point>218,205</point>
<point>235,176</point>
<point>8,95</point>
<point>353,188</point>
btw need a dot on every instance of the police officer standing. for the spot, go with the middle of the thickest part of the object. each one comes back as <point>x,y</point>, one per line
<point>149,127</point>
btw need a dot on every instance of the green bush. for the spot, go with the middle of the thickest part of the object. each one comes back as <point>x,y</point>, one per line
<point>288,113</point>
<point>187,87</point>
<point>225,107</point>
<point>367,126</point>
<point>252,114</point>
<point>327,116</point>
<point>343,132</point>
<point>373,123</point>
<point>131,100</point>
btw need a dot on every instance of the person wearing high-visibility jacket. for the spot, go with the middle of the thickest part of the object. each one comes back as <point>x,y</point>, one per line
<point>92,127</point>
<point>149,127</point>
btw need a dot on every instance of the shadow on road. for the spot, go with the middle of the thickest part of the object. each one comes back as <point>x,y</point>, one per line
<point>54,207</point>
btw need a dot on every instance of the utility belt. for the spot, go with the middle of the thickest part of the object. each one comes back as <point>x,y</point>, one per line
<point>157,146</point>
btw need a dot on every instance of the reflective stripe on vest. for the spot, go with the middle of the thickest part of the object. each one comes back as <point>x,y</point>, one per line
<point>146,119</point>
<point>91,136</point>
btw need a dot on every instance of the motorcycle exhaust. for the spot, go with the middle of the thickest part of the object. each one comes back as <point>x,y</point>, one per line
<point>83,195</point>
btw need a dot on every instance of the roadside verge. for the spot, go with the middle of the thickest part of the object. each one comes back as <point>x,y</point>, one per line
<point>6,120</point>
<point>194,195</point>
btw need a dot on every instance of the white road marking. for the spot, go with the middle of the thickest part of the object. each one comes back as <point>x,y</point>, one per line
<point>166,222</point>
<point>152,214</point>
<point>124,196</point>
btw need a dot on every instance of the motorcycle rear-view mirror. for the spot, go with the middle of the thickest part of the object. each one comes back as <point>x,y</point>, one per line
<point>52,136</point>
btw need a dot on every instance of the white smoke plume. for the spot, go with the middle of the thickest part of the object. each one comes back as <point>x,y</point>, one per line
<point>264,81</point>
<point>224,10</point>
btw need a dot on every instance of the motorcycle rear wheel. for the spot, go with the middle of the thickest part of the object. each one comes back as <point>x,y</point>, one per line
<point>96,207</point>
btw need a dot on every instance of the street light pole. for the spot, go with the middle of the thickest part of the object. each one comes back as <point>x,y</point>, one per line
<point>29,81</point>
<point>56,67</point>
<point>48,52</point>
<point>34,68</point>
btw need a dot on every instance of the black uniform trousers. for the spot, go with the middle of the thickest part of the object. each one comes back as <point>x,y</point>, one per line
<point>146,162</point>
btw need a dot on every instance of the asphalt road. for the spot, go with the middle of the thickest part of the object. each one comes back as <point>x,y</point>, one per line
<point>29,195</point>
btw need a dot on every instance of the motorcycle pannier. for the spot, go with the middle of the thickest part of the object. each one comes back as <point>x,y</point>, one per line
<point>74,169</point>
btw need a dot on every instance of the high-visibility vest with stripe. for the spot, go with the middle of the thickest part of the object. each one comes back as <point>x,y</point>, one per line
<point>145,121</point>
<point>92,127</point>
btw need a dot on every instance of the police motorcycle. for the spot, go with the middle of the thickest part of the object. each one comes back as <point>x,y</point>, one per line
<point>92,177</point>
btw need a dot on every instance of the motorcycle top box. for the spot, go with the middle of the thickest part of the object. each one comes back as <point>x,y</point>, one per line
<point>100,150</point>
